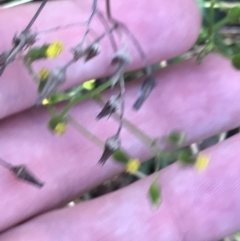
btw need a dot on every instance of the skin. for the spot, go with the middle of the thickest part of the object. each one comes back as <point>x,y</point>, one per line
<point>201,100</point>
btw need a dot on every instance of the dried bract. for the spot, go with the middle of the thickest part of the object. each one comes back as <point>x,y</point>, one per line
<point>56,78</point>
<point>112,105</point>
<point>112,144</point>
<point>123,59</point>
<point>145,90</point>
<point>92,51</point>
<point>24,39</point>
<point>23,173</point>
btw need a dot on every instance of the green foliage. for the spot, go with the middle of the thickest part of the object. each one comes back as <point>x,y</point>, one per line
<point>121,156</point>
<point>185,156</point>
<point>155,193</point>
<point>37,53</point>
<point>176,137</point>
<point>236,61</point>
<point>233,15</point>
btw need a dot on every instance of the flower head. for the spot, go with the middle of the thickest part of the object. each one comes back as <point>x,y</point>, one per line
<point>60,128</point>
<point>112,105</point>
<point>112,144</point>
<point>89,85</point>
<point>22,172</point>
<point>56,77</point>
<point>202,162</point>
<point>54,49</point>
<point>132,165</point>
<point>43,73</point>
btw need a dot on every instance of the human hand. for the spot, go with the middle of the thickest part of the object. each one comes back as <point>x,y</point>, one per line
<point>199,100</point>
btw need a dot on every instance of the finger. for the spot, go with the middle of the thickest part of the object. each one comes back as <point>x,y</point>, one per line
<point>160,33</point>
<point>195,206</point>
<point>194,104</point>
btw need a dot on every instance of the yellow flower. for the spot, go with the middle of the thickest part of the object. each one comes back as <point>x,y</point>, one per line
<point>202,162</point>
<point>45,102</point>
<point>54,49</point>
<point>89,85</point>
<point>43,73</point>
<point>132,165</point>
<point>60,128</point>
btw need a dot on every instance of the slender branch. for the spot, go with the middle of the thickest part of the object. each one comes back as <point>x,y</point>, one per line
<point>92,94</point>
<point>108,7</point>
<point>54,29</point>
<point>122,96</point>
<point>131,127</point>
<point>94,8</point>
<point>106,26</point>
<point>5,164</point>
<point>131,37</point>
<point>35,16</point>
<point>212,11</point>
<point>97,141</point>
<point>139,174</point>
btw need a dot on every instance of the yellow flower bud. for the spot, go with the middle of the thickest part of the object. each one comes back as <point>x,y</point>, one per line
<point>60,128</point>
<point>43,73</point>
<point>89,85</point>
<point>133,165</point>
<point>54,49</point>
<point>202,162</point>
<point>45,102</point>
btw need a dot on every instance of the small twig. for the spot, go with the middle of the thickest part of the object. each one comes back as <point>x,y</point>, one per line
<point>54,29</point>
<point>149,82</point>
<point>108,7</point>
<point>5,164</point>
<point>131,127</point>
<point>97,141</point>
<point>35,16</point>
<point>122,96</point>
<point>139,174</point>
<point>94,8</point>
<point>106,26</point>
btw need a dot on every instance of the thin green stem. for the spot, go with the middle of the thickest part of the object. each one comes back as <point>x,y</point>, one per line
<point>139,174</point>
<point>81,98</point>
<point>220,24</point>
<point>212,15</point>
<point>86,133</point>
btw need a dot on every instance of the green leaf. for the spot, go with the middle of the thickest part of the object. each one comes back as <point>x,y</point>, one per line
<point>37,53</point>
<point>236,61</point>
<point>233,15</point>
<point>237,234</point>
<point>155,193</point>
<point>185,156</point>
<point>176,137</point>
<point>121,156</point>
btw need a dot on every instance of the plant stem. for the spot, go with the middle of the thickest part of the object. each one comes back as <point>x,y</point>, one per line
<point>5,164</point>
<point>220,24</point>
<point>35,16</point>
<point>147,140</point>
<point>122,94</point>
<point>212,15</point>
<point>139,174</point>
<point>80,128</point>
<point>76,100</point>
